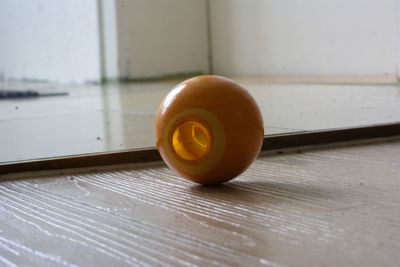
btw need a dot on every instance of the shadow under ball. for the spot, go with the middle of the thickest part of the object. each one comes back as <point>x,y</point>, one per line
<point>209,129</point>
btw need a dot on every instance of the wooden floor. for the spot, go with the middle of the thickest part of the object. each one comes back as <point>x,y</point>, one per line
<point>327,207</point>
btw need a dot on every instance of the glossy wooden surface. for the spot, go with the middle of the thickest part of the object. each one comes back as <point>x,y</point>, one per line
<point>324,207</point>
<point>94,119</point>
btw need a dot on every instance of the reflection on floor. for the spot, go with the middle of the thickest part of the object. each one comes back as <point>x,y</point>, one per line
<point>118,117</point>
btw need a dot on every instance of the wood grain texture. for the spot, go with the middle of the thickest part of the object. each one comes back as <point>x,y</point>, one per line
<point>327,207</point>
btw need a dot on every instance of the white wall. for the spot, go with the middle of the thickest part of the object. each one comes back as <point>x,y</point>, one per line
<point>108,39</point>
<point>85,40</point>
<point>49,40</point>
<point>305,37</point>
<point>161,37</point>
<point>397,10</point>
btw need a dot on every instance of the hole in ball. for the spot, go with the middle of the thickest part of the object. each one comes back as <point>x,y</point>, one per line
<point>191,140</point>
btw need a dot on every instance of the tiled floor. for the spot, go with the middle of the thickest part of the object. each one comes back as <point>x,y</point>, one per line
<point>120,116</point>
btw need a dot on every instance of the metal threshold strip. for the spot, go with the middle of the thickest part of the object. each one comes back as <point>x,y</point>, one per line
<point>271,143</point>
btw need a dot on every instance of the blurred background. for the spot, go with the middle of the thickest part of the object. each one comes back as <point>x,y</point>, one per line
<point>310,64</point>
<point>85,41</point>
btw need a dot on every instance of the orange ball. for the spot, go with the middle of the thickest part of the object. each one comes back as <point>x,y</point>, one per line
<point>209,129</point>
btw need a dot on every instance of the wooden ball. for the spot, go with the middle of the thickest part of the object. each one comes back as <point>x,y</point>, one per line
<point>209,129</point>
